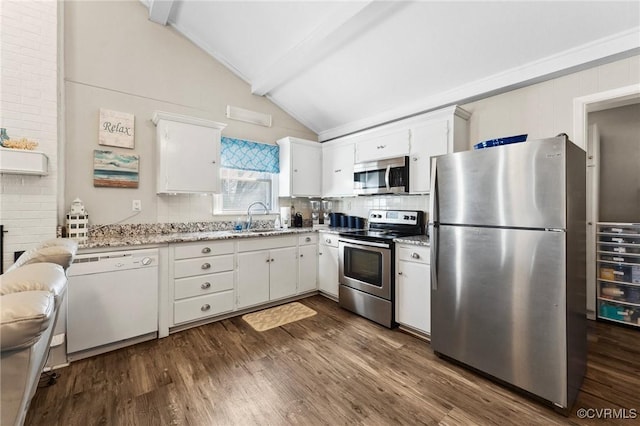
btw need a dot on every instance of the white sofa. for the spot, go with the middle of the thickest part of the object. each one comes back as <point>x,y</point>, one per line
<point>31,293</point>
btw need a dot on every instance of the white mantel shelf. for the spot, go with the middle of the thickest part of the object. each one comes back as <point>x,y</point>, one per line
<point>23,162</point>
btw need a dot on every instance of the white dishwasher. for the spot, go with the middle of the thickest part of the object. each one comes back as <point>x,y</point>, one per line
<point>112,297</point>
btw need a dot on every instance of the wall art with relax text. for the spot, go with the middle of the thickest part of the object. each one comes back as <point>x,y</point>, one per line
<point>116,128</point>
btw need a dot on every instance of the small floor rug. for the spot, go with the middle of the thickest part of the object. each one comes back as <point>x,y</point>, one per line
<point>280,315</point>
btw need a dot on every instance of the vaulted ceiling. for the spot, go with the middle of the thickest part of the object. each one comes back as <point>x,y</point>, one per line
<point>339,67</point>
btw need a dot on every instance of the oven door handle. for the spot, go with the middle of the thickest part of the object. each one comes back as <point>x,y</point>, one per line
<point>361,243</point>
<point>387,173</point>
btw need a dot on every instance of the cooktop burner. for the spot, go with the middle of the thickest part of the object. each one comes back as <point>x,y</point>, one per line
<point>385,225</point>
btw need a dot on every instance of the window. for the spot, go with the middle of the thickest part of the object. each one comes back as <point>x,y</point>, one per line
<point>249,173</point>
<point>239,188</point>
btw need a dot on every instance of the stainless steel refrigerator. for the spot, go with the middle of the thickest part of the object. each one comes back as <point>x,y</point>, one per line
<point>508,265</point>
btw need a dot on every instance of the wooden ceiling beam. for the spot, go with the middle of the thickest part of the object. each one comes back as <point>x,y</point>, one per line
<point>159,11</point>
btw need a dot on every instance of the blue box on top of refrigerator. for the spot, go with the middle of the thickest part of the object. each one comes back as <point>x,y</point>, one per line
<point>508,295</point>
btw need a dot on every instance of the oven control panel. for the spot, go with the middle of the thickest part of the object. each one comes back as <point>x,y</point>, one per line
<point>396,217</point>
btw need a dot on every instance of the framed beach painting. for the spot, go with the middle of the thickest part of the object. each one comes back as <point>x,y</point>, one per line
<point>114,170</point>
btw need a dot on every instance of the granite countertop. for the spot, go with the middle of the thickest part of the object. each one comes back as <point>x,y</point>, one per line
<point>181,237</point>
<point>416,240</point>
<point>131,239</point>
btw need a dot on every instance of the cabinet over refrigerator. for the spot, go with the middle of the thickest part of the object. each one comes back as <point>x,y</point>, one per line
<point>508,264</point>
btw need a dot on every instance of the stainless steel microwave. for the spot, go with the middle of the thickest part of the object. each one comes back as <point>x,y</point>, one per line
<point>390,176</point>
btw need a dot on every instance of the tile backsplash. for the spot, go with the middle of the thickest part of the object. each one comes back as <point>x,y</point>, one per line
<point>196,207</point>
<point>360,206</point>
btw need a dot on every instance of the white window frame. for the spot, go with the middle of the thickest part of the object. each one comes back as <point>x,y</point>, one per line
<point>218,207</point>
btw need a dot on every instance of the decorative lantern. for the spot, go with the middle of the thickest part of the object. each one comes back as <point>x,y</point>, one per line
<point>78,221</point>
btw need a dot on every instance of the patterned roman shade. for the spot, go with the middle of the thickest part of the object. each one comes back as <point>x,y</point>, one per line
<point>246,155</point>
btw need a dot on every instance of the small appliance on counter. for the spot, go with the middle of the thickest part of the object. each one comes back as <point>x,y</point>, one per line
<point>285,217</point>
<point>297,220</point>
<point>334,219</point>
<point>327,206</point>
<point>315,212</point>
<point>355,222</point>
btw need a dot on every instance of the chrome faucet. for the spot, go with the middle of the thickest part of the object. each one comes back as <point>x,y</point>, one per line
<point>249,218</point>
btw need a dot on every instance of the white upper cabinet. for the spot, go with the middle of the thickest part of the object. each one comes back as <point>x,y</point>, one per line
<point>427,140</point>
<point>300,168</point>
<point>188,155</point>
<point>432,134</point>
<point>420,137</point>
<point>374,146</point>
<point>337,170</point>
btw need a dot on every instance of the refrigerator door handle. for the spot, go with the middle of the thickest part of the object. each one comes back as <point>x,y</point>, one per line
<point>434,256</point>
<point>386,177</point>
<point>433,192</point>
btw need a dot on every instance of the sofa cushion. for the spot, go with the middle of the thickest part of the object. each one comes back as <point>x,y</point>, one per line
<point>47,277</point>
<point>60,251</point>
<point>24,317</point>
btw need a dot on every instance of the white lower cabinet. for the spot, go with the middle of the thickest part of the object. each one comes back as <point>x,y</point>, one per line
<point>266,270</point>
<point>211,278</point>
<point>282,273</point>
<point>253,278</point>
<point>307,263</point>
<point>202,276</point>
<point>328,264</point>
<point>413,287</point>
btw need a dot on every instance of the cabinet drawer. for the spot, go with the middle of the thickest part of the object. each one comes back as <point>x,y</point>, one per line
<point>308,239</point>
<point>202,306</point>
<point>202,284</point>
<point>202,265</point>
<point>328,239</point>
<point>414,254</point>
<point>262,243</point>
<point>201,249</point>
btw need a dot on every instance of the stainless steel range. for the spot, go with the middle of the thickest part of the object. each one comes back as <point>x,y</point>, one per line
<point>367,263</point>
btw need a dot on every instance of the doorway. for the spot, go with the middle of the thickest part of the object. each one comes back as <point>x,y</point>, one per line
<point>583,108</point>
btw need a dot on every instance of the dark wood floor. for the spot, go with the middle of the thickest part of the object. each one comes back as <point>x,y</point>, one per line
<point>332,368</point>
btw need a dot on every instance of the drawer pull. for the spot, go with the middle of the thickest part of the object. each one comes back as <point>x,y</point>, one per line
<point>301,255</point>
<point>205,307</point>
<point>268,261</point>
<point>206,250</point>
<point>272,260</point>
<point>205,286</point>
<point>328,240</point>
<point>400,273</point>
<point>307,239</point>
<point>415,255</point>
<point>206,266</point>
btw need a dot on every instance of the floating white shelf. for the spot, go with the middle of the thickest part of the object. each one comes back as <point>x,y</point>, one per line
<point>23,162</point>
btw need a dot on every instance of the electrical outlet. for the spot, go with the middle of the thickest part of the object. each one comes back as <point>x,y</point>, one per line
<point>136,206</point>
<point>348,205</point>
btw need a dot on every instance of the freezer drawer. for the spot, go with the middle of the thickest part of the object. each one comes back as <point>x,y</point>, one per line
<point>498,303</point>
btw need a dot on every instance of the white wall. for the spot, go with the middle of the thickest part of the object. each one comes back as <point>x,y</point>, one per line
<point>116,58</point>
<point>545,109</point>
<point>619,162</point>
<point>29,108</point>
